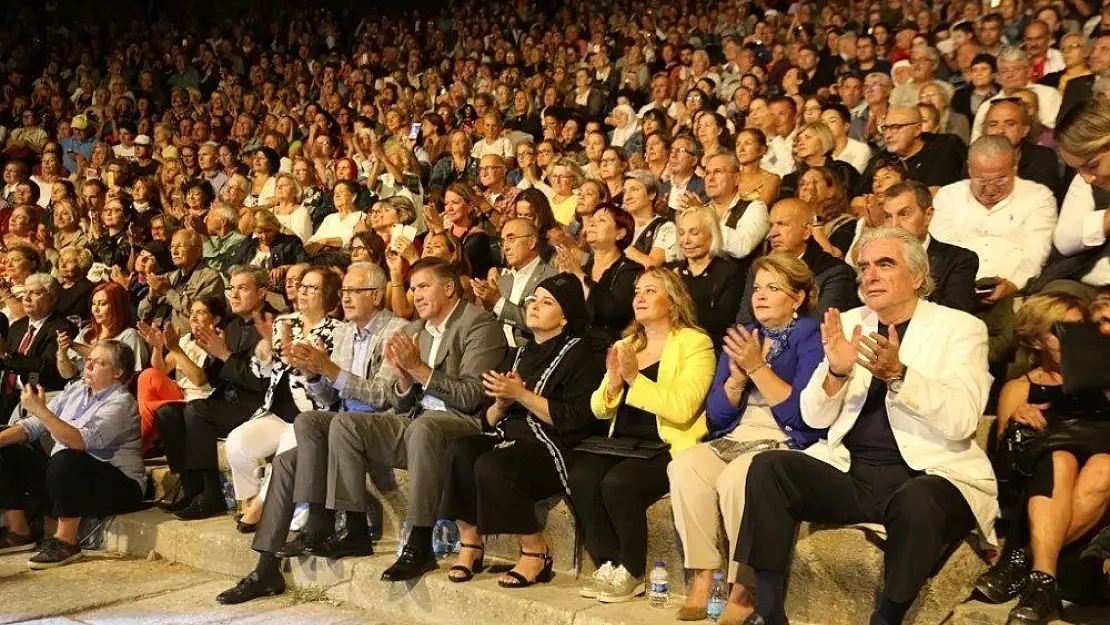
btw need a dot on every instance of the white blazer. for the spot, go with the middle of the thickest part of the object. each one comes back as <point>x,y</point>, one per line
<point>934,416</point>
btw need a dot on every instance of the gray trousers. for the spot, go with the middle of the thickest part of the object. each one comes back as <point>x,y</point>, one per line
<point>300,475</point>
<point>419,445</point>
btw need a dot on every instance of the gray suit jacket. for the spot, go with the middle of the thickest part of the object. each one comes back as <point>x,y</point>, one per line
<point>472,344</point>
<point>374,384</point>
<point>513,314</point>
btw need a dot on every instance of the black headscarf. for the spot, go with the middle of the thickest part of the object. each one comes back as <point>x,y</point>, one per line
<point>567,290</point>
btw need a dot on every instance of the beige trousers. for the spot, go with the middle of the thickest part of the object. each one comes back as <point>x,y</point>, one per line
<point>706,491</point>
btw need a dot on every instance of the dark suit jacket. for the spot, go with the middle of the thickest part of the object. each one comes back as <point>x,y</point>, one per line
<point>286,250</point>
<point>1040,164</point>
<point>513,314</point>
<point>836,285</point>
<point>1078,90</point>
<point>595,102</point>
<point>41,356</point>
<point>472,344</point>
<point>695,186</point>
<point>953,270</point>
<point>961,101</point>
<point>232,378</point>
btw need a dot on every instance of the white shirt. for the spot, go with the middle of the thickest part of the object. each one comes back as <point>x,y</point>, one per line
<point>1080,228</point>
<point>678,189</point>
<point>1048,99</point>
<point>779,158</point>
<point>298,222</point>
<point>502,147</point>
<point>855,153</point>
<point>336,227</point>
<point>1012,238</point>
<point>520,280</point>
<point>749,232</point>
<point>431,402</point>
<point>669,107</point>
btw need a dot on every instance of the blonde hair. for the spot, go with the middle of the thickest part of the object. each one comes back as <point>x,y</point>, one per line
<point>1085,130</point>
<point>797,275</point>
<point>572,167</point>
<point>823,134</point>
<point>683,311</point>
<point>1033,321</point>
<point>707,216</point>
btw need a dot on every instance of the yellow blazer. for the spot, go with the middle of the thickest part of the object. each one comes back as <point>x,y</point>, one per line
<point>676,399</point>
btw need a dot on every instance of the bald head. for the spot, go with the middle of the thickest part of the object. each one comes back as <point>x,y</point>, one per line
<point>791,226</point>
<point>902,130</point>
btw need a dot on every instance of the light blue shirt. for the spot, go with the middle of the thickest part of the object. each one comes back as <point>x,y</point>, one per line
<point>108,422</point>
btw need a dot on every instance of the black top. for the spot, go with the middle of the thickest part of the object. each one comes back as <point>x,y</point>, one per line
<point>76,301</point>
<point>871,441</point>
<point>941,160</point>
<point>611,297</point>
<point>1091,405</point>
<point>112,250</point>
<point>636,423</point>
<point>717,293</point>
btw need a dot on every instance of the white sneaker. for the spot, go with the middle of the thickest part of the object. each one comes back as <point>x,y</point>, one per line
<point>593,586</point>
<point>622,587</point>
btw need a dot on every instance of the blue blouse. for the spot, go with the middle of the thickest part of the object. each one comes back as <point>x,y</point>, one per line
<point>795,365</point>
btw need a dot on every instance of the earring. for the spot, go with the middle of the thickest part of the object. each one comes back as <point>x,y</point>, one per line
<point>795,313</point>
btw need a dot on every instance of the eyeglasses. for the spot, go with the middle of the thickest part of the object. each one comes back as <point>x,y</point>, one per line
<point>885,128</point>
<point>512,238</point>
<point>308,289</point>
<point>992,182</point>
<point>490,168</point>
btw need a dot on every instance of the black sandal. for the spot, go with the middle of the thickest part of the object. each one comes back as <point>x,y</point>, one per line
<point>519,581</point>
<point>468,574</point>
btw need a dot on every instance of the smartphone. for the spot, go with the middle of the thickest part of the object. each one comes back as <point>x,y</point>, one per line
<point>414,131</point>
<point>33,378</point>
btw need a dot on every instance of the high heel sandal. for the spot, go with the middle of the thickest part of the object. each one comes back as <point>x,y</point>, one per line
<point>468,573</point>
<point>519,581</point>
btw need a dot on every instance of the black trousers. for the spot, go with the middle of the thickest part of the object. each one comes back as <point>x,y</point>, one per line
<point>923,514</point>
<point>189,430</point>
<point>495,488</point>
<point>611,496</point>
<point>75,484</point>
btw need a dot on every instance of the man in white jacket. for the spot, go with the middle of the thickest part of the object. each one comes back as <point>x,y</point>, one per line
<point>901,390</point>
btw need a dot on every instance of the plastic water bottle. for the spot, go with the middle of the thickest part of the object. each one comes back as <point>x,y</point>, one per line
<point>718,595</point>
<point>660,586</point>
<point>441,539</point>
<point>403,538</point>
<point>229,494</point>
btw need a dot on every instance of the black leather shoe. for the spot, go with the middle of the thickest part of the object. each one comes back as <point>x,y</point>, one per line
<point>252,587</point>
<point>303,545</point>
<point>1039,603</point>
<point>411,565</point>
<point>201,508</point>
<point>176,505</point>
<point>1006,578</point>
<point>244,528</point>
<point>343,546</point>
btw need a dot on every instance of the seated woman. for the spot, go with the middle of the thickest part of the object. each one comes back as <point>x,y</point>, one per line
<point>715,279</point>
<point>1067,494</point>
<point>111,318</point>
<point>529,433</point>
<point>94,469</point>
<point>813,146</point>
<point>270,430</point>
<point>111,246</point>
<point>462,218</point>
<point>826,194</point>
<point>654,388</point>
<point>172,353</point>
<point>19,263</point>
<point>75,294</point>
<point>608,277</point>
<point>753,405</point>
<point>269,248</point>
<point>337,228</point>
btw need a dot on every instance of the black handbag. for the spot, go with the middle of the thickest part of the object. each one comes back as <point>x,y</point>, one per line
<point>1025,446</point>
<point>622,447</point>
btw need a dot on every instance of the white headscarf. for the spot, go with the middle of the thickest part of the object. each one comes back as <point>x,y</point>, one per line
<point>621,135</point>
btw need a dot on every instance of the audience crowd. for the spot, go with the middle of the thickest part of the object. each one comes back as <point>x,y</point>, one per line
<point>765,252</point>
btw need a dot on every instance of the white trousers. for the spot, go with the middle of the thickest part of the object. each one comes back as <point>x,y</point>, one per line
<point>250,446</point>
<point>706,492</point>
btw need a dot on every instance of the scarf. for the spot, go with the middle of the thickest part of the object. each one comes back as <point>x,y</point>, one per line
<point>778,338</point>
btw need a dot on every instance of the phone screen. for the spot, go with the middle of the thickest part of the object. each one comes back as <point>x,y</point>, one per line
<point>414,131</point>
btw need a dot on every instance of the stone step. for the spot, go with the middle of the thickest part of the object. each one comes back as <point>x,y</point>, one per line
<point>979,613</point>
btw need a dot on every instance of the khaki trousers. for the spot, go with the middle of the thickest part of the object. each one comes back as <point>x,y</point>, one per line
<point>706,491</point>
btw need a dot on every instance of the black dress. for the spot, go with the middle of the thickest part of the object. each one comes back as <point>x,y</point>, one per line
<point>717,293</point>
<point>494,480</point>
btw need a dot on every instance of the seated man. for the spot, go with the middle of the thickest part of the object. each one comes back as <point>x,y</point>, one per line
<point>32,343</point>
<point>171,296</point>
<point>1008,222</point>
<point>901,390</point>
<point>909,206</point>
<point>935,160</point>
<point>504,295</point>
<point>95,468</point>
<point>354,372</point>
<point>1036,163</point>
<point>792,233</point>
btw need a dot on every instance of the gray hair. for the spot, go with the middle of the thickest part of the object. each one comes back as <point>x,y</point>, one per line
<point>406,210</point>
<point>708,217</point>
<point>646,178</point>
<point>224,211</point>
<point>261,276</point>
<point>375,277</point>
<point>991,146</point>
<point>913,253</point>
<point>929,52</point>
<point>881,77</point>
<point>1012,54</point>
<point>83,256</point>
<point>46,281</point>
<point>123,357</point>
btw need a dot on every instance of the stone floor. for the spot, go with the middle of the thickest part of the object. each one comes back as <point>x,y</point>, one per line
<point>103,590</point>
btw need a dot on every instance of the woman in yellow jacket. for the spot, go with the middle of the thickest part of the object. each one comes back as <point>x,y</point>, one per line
<point>656,382</point>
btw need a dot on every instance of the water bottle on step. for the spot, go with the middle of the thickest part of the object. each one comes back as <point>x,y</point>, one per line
<point>660,586</point>
<point>718,595</point>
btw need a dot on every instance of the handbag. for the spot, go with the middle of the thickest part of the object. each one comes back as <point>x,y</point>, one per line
<point>623,447</point>
<point>1025,446</point>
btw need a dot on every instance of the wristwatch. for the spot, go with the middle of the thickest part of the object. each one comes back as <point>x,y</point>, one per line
<point>894,384</point>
